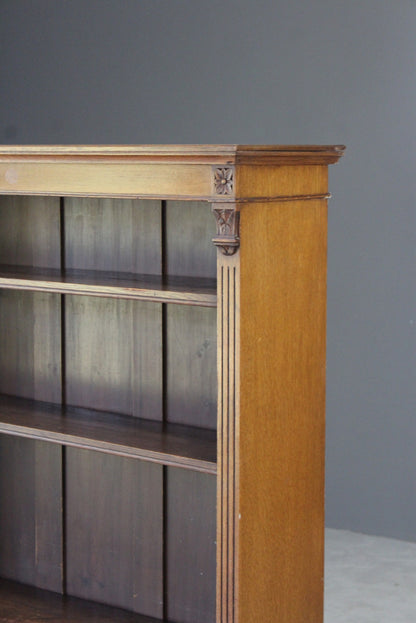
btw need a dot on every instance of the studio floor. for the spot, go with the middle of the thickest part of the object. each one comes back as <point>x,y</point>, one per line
<point>369,579</point>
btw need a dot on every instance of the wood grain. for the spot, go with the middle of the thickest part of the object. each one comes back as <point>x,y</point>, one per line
<point>140,171</point>
<point>228,335</point>
<point>114,531</point>
<point>29,231</point>
<point>191,366</point>
<point>30,323</point>
<point>191,547</point>
<point>198,291</point>
<point>30,360</point>
<point>30,513</point>
<point>113,235</point>
<point>122,355</point>
<point>169,444</point>
<point>225,154</point>
<point>281,426</point>
<point>283,180</point>
<point>114,356</point>
<point>97,179</point>
<point>30,339</point>
<point>30,605</point>
<point>190,333</point>
<point>189,251</point>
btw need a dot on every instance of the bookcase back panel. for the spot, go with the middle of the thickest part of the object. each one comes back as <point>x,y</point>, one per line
<point>30,512</point>
<point>115,531</point>
<point>191,546</point>
<point>191,366</point>
<point>30,345</point>
<point>120,235</point>
<point>114,355</point>
<point>29,231</point>
<point>190,227</point>
<point>191,332</point>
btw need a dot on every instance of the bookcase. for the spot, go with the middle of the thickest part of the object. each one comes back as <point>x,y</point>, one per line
<point>162,383</point>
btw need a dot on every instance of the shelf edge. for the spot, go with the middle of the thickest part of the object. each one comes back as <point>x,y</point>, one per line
<point>198,465</point>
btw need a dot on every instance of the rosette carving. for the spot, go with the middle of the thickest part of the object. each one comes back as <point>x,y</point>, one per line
<point>223,180</point>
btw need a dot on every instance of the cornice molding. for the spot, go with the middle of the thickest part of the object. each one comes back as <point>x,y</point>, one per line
<point>187,154</point>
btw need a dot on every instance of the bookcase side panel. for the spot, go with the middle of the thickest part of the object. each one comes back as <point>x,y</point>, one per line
<point>282,385</point>
<point>281,181</point>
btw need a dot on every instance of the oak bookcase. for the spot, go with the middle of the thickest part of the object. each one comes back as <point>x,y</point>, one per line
<point>162,370</point>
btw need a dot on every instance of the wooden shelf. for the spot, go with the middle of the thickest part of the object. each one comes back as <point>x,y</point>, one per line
<point>30,605</point>
<point>172,289</point>
<point>169,444</point>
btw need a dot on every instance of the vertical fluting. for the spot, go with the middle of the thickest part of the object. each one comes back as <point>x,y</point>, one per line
<point>227,440</point>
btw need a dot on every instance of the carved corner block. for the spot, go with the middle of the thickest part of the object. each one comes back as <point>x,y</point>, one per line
<point>228,228</point>
<point>223,180</point>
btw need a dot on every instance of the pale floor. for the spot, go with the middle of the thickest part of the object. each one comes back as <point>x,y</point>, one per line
<point>369,579</point>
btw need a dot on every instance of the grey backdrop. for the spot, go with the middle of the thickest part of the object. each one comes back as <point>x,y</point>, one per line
<point>269,71</point>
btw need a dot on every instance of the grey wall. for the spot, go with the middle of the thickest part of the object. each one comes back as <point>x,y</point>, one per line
<point>270,71</point>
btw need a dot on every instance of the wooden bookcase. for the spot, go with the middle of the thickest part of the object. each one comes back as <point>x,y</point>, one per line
<point>162,371</point>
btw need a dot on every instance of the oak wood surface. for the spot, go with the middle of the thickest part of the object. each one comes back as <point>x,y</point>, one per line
<point>114,531</point>
<point>282,401</point>
<point>165,172</point>
<point>198,291</point>
<point>121,355</point>
<point>114,356</point>
<point>191,391</point>
<point>169,444</point>
<point>284,180</point>
<point>30,231</point>
<point>30,366</point>
<point>26,604</point>
<point>190,386</point>
<point>100,179</point>
<point>189,251</point>
<point>226,154</point>
<point>113,235</point>
<point>30,338</point>
<point>30,513</point>
<point>191,546</point>
<point>228,336</point>
<point>30,333</point>
<point>190,333</point>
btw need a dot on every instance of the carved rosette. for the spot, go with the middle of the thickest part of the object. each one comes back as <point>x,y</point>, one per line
<point>224,180</point>
<point>228,230</point>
